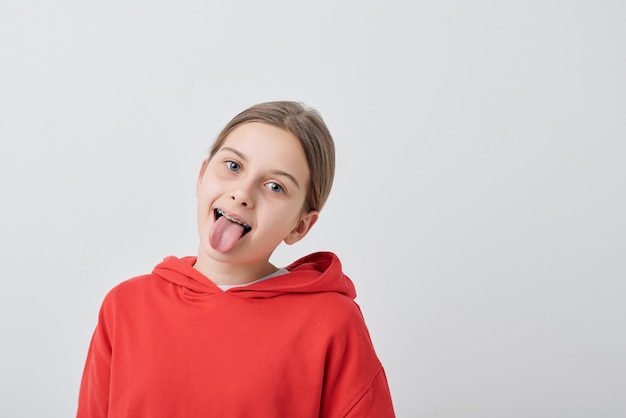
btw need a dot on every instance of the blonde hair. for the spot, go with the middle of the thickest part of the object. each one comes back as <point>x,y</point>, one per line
<point>308,126</point>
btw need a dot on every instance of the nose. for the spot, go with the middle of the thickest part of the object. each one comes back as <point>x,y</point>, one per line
<point>242,202</point>
<point>242,194</point>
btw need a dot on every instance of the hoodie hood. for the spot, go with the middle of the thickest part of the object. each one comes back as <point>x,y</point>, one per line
<point>314,273</point>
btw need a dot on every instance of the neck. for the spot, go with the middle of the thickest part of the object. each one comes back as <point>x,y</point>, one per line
<point>228,273</point>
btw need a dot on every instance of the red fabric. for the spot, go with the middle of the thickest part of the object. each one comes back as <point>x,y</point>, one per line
<point>172,344</point>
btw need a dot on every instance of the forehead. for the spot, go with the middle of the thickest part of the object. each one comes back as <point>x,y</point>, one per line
<point>268,146</point>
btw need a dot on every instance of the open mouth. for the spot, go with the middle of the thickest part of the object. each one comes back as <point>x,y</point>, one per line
<point>246,228</point>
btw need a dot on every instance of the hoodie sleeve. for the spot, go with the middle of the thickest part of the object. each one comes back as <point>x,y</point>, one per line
<point>355,384</point>
<point>93,400</point>
<point>376,402</point>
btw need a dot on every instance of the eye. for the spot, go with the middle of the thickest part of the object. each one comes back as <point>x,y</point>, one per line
<point>233,166</point>
<point>275,187</point>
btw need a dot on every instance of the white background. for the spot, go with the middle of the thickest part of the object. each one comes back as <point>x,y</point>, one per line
<point>478,205</point>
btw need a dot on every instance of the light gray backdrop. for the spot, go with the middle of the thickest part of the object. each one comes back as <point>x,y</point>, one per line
<point>478,206</point>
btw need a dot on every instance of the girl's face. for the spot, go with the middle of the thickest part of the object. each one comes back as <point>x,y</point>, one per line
<point>251,195</point>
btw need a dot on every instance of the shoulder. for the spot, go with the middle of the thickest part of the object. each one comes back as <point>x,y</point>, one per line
<point>132,284</point>
<point>338,315</point>
<point>137,287</point>
<point>338,306</point>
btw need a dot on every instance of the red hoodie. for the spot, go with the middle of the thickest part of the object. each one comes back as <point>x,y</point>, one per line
<point>172,344</point>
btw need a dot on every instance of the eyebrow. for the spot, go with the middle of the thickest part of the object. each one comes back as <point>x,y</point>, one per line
<point>276,172</point>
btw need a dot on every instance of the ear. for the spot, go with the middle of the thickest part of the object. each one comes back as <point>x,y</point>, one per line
<point>304,226</point>
<point>202,169</point>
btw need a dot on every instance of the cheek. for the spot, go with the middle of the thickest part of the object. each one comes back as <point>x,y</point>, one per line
<point>203,201</point>
<point>291,220</point>
<point>206,188</point>
<point>275,219</point>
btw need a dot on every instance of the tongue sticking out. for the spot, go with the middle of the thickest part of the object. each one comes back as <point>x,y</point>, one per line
<point>224,234</point>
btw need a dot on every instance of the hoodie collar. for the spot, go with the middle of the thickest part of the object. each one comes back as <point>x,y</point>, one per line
<point>314,273</point>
